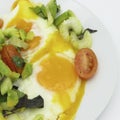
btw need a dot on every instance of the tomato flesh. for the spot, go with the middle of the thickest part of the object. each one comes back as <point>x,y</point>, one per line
<point>86,63</point>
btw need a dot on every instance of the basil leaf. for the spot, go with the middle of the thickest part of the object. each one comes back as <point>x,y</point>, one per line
<point>19,62</point>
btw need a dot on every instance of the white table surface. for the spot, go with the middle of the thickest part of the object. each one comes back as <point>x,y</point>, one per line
<point>108,11</point>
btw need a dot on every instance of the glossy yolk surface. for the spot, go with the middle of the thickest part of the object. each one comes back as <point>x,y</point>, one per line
<point>54,44</point>
<point>69,113</point>
<point>23,12</point>
<point>57,73</point>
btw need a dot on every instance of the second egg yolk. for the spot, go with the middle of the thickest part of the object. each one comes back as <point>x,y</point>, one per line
<point>57,73</point>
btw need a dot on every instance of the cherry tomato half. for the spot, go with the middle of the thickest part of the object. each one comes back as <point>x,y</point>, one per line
<point>86,63</point>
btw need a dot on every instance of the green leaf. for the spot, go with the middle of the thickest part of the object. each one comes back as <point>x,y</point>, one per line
<point>19,62</point>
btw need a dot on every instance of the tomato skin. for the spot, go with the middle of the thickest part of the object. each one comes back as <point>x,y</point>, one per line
<point>7,53</point>
<point>86,63</point>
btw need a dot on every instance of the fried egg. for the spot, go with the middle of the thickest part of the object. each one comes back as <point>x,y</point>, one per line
<point>54,77</point>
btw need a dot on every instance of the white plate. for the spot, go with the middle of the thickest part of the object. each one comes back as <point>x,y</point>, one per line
<point>100,89</point>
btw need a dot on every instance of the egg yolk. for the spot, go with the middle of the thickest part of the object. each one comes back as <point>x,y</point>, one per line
<point>55,44</point>
<point>57,73</point>
<point>69,113</point>
<point>23,12</point>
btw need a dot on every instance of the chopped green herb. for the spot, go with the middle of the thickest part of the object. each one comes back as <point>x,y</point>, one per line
<point>19,62</point>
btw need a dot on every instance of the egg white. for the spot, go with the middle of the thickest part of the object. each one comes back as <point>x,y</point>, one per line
<point>30,86</point>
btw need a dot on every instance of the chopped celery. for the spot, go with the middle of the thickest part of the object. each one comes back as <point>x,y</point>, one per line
<point>62,17</point>
<point>40,11</point>
<point>6,85</point>
<point>27,71</point>
<point>71,24</point>
<point>18,43</point>
<point>85,42</point>
<point>53,8</point>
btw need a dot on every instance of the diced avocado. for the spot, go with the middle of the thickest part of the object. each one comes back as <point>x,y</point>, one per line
<point>13,117</point>
<point>6,85</point>
<point>1,116</point>
<point>85,42</point>
<point>27,71</point>
<point>5,70</point>
<point>71,24</point>
<point>22,34</point>
<point>11,32</point>
<point>12,98</point>
<point>2,37</point>
<point>1,76</point>
<point>62,17</point>
<point>39,117</point>
<point>19,93</point>
<point>30,35</point>
<point>4,106</point>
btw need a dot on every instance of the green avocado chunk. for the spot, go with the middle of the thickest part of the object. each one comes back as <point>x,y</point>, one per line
<point>6,85</point>
<point>27,71</point>
<point>5,70</point>
<point>12,98</point>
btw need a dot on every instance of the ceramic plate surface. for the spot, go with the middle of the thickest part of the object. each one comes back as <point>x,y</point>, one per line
<point>100,88</point>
